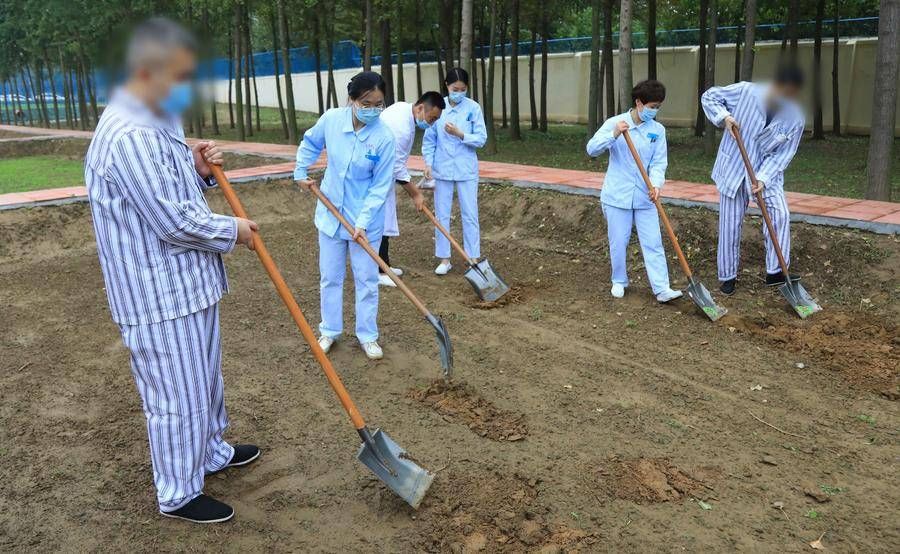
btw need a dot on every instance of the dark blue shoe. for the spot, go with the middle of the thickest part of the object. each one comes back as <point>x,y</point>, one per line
<point>243,455</point>
<point>203,509</point>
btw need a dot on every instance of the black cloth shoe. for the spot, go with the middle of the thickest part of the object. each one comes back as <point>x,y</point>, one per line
<point>243,455</point>
<point>203,509</point>
<point>727,287</point>
<point>774,279</point>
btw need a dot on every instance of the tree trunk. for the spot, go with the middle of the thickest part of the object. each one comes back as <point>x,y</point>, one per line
<point>515,131</point>
<point>503,26</point>
<point>213,112</point>
<point>401,81</point>
<point>418,41</point>
<point>737,52</point>
<point>231,81</point>
<point>367,47</point>
<point>545,51</point>
<point>532,99</point>
<point>83,121</point>
<point>255,91</point>
<point>488,104</point>
<point>884,102</point>
<point>607,59</point>
<point>317,56</point>
<point>446,30</point>
<point>651,39</point>
<point>793,28</point>
<point>273,25</point>
<point>329,51</point>
<point>7,94</point>
<point>709,136</point>
<point>248,72</point>
<point>466,38</point>
<point>818,126</point>
<point>749,40</point>
<point>440,63</point>
<point>835,67</point>
<point>67,93</point>
<point>700,122</point>
<point>290,111</point>
<point>238,63</point>
<point>52,87</point>
<point>386,68</point>
<point>594,77</point>
<point>625,74</point>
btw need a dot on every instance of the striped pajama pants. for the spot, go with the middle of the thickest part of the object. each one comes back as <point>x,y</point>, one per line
<point>177,368</point>
<point>731,219</point>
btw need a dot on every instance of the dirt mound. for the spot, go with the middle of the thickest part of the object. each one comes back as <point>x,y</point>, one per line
<point>516,295</point>
<point>864,348</point>
<point>648,480</point>
<point>494,512</point>
<point>459,403</point>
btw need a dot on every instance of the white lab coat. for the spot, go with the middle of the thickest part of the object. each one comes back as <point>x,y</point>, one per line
<point>400,120</point>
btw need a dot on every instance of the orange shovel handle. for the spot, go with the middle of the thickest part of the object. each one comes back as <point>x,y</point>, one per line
<point>286,296</point>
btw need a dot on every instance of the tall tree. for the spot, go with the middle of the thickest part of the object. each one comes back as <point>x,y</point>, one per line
<point>532,95</point>
<point>818,127</point>
<point>418,46</point>
<point>709,135</point>
<point>545,50</point>
<point>793,29</point>
<point>749,40</point>
<point>700,122</point>
<point>651,39</point>
<point>835,78</point>
<point>515,131</point>
<point>594,76</point>
<point>248,73</point>
<point>273,26</point>
<point>291,112</point>
<point>238,64</point>
<point>466,36</point>
<point>607,59</point>
<point>504,20</point>
<point>231,80</point>
<point>737,51</point>
<point>491,145</point>
<point>884,102</point>
<point>625,74</point>
<point>316,18</point>
<point>386,67</point>
<point>367,47</point>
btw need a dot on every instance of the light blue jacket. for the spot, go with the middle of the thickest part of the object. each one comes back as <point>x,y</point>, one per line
<point>770,148</point>
<point>623,186</point>
<point>452,158</point>
<point>359,175</point>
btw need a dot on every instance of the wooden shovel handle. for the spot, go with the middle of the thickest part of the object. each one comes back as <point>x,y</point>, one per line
<point>446,233</point>
<point>759,199</point>
<point>285,293</point>
<point>662,213</point>
<point>370,251</point>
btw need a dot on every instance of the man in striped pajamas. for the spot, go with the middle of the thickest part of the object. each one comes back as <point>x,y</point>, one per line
<point>771,124</point>
<point>160,250</point>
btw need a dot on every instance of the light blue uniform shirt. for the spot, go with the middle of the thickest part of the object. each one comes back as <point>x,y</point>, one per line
<point>359,175</point>
<point>623,186</point>
<point>452,158</point>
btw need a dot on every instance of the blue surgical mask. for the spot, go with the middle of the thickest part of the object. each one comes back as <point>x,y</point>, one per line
<point>456,97</point>
<point>422,124</point>
<point>368,115</point>
<point>178,100</point>
<point>648,114</point>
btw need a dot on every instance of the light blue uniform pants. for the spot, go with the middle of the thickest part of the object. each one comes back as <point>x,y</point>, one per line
<point>177,368</point>
<point>619,222</point>
<point>333,252</point>
<point>731,221</point>
<point>468,208</point>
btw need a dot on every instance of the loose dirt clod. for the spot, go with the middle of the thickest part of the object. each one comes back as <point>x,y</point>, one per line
<point>461,404</point>
<point>648,480</point>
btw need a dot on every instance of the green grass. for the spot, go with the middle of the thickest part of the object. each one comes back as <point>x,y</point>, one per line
<point>270,124</point>
<point>39,172</point>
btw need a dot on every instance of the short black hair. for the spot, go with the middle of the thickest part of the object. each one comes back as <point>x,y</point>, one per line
<point>648,91</point>
<point>790,74</point>
<point>457,74</point>
<point>432,99</point>
<point>363,82</point>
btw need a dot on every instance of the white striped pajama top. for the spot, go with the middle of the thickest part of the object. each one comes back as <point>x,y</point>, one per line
<point>159,244</point>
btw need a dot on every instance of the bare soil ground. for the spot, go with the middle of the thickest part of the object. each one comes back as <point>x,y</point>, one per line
<point>575,422</point>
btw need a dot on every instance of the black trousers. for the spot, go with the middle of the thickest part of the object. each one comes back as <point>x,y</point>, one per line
<point>384,252</point>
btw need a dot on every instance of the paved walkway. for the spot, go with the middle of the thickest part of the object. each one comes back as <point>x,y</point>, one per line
<point>880,217</point>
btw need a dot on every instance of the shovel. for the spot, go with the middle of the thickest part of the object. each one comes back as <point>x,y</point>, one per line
<point>443,337</point>
<point>698,293</point>
<point>792,290</point>
<point>489,286</point>
<point>378,451</point>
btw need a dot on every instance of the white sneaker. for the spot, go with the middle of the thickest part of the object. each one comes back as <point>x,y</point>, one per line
<point>397,271</point>
<point>372,350</point>
<point>443,268</point>
<point>385,281</point>
<point>617,290</point>
<point>668,295</point>
<point>326,343</point>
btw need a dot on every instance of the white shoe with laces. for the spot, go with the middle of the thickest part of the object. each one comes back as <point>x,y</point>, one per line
<point>668,295</point>
<point>617,290</point>
<point>372,350</point>
<point>385,281</point>
<point>326,343</point>
<point>443,268</point>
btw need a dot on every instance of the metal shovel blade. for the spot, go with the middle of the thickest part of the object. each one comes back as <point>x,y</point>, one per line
<point>393,466</point>
<point>704,300</point>
<point>443,339</point>
<point>487,284</point>
<point>798,298</point>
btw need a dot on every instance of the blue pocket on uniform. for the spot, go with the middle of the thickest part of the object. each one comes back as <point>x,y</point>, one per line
<point>652,136</point>
<point>470,119</point>
<point>374,157</point>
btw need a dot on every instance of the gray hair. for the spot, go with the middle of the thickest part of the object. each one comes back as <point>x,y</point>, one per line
<point>154,40</point>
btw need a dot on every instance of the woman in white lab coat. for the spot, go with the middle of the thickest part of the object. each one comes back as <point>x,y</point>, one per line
<point>449,148</point>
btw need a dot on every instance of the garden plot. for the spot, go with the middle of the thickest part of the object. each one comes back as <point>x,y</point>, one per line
<point>575,422</point>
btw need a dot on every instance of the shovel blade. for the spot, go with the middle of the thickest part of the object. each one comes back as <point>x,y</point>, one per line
<point>487,284</point>
<point>704,300</point>
<point>443,340</point>
<point>804,304</point>
<point>402,475</point>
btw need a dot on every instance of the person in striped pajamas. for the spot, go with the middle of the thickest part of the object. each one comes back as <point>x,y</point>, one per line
<point>160,250</point>
<point>771,124</point>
